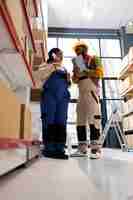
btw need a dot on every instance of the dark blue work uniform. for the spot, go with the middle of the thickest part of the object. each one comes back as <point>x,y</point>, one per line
<point>54,105</point>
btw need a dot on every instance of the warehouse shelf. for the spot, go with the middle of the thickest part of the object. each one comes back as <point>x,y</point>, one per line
<point>126,66</point>
<point>28,23</point>
<point>18,49</point>
<point>15,153</point>
<point>11,159</point>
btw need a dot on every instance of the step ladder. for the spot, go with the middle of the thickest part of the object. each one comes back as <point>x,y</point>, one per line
<point>114,121</point>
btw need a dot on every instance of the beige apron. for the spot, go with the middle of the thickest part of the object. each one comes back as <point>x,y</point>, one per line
<point>88,108</point>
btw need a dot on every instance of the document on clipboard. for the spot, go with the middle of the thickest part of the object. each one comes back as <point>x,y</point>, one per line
<point>79,62</point>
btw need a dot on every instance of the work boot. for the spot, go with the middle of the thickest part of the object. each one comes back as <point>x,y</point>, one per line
<point>95,150</point>
<point>82,151</point>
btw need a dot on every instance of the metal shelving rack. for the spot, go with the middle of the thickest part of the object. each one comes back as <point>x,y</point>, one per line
<point>16,73</point>
<point>127,94</point>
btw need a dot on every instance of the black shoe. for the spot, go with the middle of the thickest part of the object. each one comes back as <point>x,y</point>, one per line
<point>55,155</point>
<point>61,155</point>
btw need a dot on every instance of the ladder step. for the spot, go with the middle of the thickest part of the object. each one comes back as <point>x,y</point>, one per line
<point>114,121</point>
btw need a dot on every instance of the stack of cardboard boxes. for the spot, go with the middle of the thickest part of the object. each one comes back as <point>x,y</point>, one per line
<point>126,91</point>
<point>24,38</point>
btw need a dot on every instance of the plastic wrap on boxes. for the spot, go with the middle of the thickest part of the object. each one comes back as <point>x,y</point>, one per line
<point>36,121</point>
<point>36,127</point>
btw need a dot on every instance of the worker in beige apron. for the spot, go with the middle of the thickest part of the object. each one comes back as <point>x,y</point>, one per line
<point>88,107</point>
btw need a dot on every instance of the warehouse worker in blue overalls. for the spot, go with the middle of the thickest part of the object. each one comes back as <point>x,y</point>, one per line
<point>54,105</point>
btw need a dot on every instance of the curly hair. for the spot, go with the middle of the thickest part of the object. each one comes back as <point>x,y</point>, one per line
<point>50,54</point>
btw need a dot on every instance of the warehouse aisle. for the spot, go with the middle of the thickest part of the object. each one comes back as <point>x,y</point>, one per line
<point>79,178</point>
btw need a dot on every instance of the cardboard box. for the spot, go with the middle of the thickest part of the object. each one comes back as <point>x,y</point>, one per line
<point>130,118</point>
<point>130,104</point>
<point>9,113</point>
<point>130,55</point>
<point>15,118</point>
<point>127,106</point>
<point>125,123</point>
<point>130,140</point>
<point>25,123</point>
<point>42,74</point>
<point>35,94</point>
<point>126,83</point>
<point>128,123</point>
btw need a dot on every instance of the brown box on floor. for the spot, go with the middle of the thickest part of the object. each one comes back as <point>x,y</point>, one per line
<point>9,113</point>
<point>25,123</point>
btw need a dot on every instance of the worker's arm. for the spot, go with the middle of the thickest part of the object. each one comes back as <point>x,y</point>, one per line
<point>97,73</point>
<point>69,79</point>
<point>44,71</point>
<point>51,66</point>
<point>96,68</point>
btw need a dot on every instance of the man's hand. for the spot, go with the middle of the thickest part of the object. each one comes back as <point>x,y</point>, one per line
<point>91,73</point>
<point>76,74</point>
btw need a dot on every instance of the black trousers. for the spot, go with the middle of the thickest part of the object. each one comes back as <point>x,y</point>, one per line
<point>82,133</point>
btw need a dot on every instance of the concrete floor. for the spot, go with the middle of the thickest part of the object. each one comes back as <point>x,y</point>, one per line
<point>110,178</point>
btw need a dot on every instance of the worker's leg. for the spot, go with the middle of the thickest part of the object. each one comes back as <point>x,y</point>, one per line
<point>48,122</point>
<point>94,120</point>
<point>82,116</point>
<point>81,127</point>
<point>94,116</point>
<point>82,139</point>
<point>61,123</point>
<point>88,110</point>
<point>44,128</point>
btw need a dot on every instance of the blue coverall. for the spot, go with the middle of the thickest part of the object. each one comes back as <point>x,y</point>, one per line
<point>54,105</point>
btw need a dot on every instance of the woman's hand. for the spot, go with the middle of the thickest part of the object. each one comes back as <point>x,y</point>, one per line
<point>69,79</point>
<point>56,66</point>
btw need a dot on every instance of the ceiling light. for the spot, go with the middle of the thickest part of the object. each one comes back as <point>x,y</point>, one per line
<point>88,8</point>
